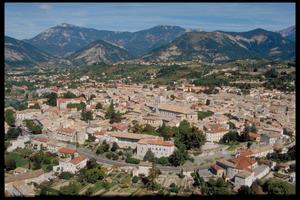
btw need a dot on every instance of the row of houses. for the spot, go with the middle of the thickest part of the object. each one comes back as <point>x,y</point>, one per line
<point>141,142</point>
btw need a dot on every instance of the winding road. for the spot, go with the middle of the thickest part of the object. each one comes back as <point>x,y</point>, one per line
<point>103,160</point>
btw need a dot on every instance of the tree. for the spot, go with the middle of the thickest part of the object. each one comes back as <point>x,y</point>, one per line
<point>114,147</point>
<point>51,101</point>
<point>173,188</point>
<point>104,147</point>
<point>13,133</point>
<point>71,189</point>
<point>177,158</point>
<point>92,96</point>
<point>10,164</point>
<point>166,131</point>
<point>153,173</point>
<point>91,163</point>
<point>86,115</point>
<point>244,190</point>
<point>110,111</point>
<point>229,137</point>
<point>65,175</point>
<point>23,106</point>
<point>278,187</point>
<point>9,117</point>
<point>94,174</point>
<point>99,106</point>
<point>191,137</point>
<point>33,127</point>
<point>163,161</point>
<point>149,156</point>
<point>69,95</point>
<point>135,179</point>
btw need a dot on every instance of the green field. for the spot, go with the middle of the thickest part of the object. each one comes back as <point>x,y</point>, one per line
<point>20,161</point>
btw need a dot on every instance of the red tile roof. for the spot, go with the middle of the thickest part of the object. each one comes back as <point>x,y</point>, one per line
<point>158,141</point>
<point>40,139</point>
<point>77,160</point>
<point>69,131</point>
<point>65,150</point>
<point>243,162</point>
<point>120,126</point>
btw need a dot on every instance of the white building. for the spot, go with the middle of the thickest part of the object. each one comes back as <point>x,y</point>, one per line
<point>65,134</point>
<point>158,146</point>
<point>71,166</point>
<point>62,103</point>
<point>28,114</point>
<point>215,132</point>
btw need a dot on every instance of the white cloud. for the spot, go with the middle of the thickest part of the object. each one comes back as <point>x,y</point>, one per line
<point>45,6</point>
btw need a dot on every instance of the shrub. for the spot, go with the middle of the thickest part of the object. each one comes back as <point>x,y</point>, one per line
<point>10,164</point>
<point>132,160</point>
<point>65,175</point>
<point>135,179</point>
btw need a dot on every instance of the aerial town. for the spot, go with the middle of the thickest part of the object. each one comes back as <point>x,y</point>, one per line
<point>128,128</point>
<point>133,108</point>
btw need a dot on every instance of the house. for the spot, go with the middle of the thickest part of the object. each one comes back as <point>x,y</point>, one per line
<point>158,146</point>
<point>243,178</point>
<point>72,166</point>
<point>217,170</point>
<point>38,143</point>
<point>173,110</point>
<point>215,132</point>
<point>243,170</point>
<point>120,127</point>
<point>62,103</point>
<point>66,134</point>
<point>271,138</point>
<point>124,140</point>
<point>254,136</point>
<point>257,152</point>
<point>67,152</point>
<point>152,120</point>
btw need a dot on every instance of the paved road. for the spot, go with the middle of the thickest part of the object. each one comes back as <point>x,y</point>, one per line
<point>103,160</point>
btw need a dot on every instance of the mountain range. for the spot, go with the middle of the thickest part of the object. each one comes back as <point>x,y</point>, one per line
<point>223,46</point>
<point>84,46</point>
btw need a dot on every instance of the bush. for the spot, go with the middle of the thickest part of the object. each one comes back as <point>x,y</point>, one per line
<point>108,155</point>
<point>115,156</point>
<point>163,161</point>
<point>114,147</point>
<point>149,156</point>
<point>135,179</point>
<point>49,168</point>
<point>10,164</point>
<point>65,175</point>
<point>132,160</point>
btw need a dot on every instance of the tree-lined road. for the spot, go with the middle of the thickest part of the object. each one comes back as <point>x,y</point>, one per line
<point>103,160</point>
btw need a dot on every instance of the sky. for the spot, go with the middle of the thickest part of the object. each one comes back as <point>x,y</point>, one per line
<point>26,20</point>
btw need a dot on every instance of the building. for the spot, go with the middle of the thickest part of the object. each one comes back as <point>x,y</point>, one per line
<point>72,166</point>
<point>215,132</point>
<point>242,170</point>
<point>62,103</point>
<point>271,138</point>
<point>39,143</point>
<point>28,114</point>
<point>65,134</point>
<point>172,110</point>
<point>158,146</point>
<point>217,170</point>
<point>257,152</point>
